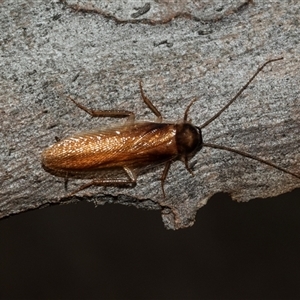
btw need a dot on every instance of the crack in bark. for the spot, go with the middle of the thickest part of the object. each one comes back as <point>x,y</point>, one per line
<point>178,15</point>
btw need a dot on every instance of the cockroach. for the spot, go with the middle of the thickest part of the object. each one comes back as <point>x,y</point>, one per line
<point>116,156</point>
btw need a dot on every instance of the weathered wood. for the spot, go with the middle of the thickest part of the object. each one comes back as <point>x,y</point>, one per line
<point>99,54</point>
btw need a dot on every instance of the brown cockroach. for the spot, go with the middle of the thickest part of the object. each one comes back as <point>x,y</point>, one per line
<point>116,156</point>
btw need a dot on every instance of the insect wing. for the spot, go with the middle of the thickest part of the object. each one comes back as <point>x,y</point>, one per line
<point>135,146</point>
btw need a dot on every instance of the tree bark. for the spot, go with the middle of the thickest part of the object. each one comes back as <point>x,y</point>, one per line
<point>98,52</point>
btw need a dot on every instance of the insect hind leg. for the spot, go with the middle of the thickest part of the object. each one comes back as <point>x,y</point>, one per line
<point>117,182</point>
<point>105,113</point>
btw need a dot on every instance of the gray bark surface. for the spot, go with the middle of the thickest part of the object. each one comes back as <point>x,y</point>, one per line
<point>98,52</point>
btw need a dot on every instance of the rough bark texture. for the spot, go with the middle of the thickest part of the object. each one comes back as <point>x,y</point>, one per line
<point>98,52</point>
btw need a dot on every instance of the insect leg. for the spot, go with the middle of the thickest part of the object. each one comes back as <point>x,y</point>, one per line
<point>118,182</point>
<point>150,105</point>
<point>164,176</point>
<point>106,113</point>
<point>132,176</point>
<point>186,162</point>
<point>66,183</point>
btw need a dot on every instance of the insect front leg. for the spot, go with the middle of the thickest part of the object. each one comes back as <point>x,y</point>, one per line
<point>106,113</point>
<point>117,182</point>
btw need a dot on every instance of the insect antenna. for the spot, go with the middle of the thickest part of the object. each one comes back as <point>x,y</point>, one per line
<point>215,146</point>
<point>187,109</point>
<point>239,92</point>
<point>250,156</point>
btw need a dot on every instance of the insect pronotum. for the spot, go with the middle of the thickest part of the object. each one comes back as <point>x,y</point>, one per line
<point>116,156</point>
